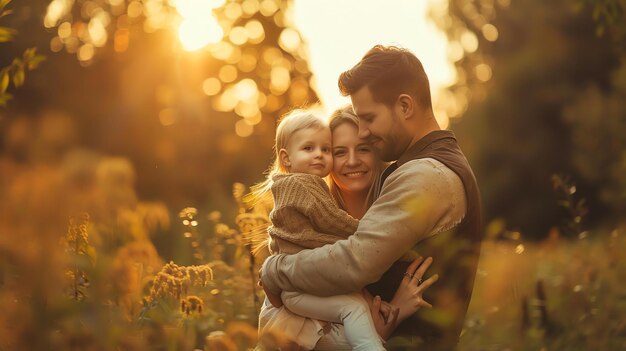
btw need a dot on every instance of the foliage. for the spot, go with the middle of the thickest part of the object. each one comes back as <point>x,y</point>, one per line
<point>80,252</point>
<point>15,72</point>
<point>553,295</point>
<point>141,146</point>
<point>541,101</point>
<point>575,207</point>
<point>609,15</point>
<point>154,103</point>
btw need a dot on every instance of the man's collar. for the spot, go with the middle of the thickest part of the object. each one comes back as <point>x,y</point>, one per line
<point>415,149</point>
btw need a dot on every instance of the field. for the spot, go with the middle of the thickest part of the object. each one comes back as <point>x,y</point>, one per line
<point>102,283</point>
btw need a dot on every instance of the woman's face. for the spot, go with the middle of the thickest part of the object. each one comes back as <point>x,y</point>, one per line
<point>354,163</point>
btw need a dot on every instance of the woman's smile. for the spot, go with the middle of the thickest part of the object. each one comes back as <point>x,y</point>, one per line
<point>355,174</point>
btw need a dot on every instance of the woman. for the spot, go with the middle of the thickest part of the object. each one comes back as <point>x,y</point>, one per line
<point>355,177</point>
<point>354,182</point>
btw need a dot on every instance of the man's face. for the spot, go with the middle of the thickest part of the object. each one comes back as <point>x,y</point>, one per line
<point>380,125</point>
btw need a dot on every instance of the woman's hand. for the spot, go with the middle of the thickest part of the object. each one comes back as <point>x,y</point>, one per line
<point>408,298</point>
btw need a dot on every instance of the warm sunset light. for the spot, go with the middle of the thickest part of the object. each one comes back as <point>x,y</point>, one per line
<point>198,27</point>
<point>195,33</point>
<point>338,33</point>
<point>161,158</point>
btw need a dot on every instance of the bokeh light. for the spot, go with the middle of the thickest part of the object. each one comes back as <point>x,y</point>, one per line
<point>289,40</point>
<point>211,86</point>
<point>228,73</point>
<point>469,41</point>
<point>197,33</point>
<point>490,32</point>
<point>198,27</point>
<point>243,128</point>
<point>483,72</point>
<point>57,9</point>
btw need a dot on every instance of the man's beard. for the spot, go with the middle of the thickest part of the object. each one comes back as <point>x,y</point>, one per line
<point>386,153</point>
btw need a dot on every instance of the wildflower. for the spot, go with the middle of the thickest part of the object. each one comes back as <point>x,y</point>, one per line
<point>174,280</point>
<point>191,304</point>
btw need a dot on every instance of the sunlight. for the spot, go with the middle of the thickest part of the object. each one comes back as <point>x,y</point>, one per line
<point>196,33</point>
<point>198,27</point>
<point>56,10</point>
<point>338,33</point>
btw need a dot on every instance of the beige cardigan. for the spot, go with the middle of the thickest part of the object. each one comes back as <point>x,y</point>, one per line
<point>305,215</point>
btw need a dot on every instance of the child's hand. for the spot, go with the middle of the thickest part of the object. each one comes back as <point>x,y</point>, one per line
<point>408,297</point>
<point>384,326</point>
<point>274,299</point>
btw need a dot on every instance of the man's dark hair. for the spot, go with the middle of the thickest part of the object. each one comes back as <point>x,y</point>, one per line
<point>388,71</point>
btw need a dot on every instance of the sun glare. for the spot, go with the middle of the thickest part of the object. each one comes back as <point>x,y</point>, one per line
<point>198,27</point>
<point>339,33</point>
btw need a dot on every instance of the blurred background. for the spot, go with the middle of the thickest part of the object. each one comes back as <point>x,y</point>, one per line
<point>131,128</point>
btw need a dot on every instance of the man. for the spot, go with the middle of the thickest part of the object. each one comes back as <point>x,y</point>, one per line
<point>429,201</point>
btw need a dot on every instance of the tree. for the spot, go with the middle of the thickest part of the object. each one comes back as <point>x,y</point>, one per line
<point>14,72</point>
<point>196,121</point>
<point>543,91</point>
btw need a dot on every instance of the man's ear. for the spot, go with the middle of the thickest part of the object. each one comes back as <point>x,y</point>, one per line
<point>283,157</point>
<point>406,105</point>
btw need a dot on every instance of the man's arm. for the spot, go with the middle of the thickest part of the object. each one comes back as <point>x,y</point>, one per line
<point>418,200</point>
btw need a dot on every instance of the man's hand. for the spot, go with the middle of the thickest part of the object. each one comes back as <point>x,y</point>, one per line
<point>384,326</point>
<point>275,299</point>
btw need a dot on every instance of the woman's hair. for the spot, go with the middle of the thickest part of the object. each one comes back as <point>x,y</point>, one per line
<point>339,117</point>
<point>289,124</point>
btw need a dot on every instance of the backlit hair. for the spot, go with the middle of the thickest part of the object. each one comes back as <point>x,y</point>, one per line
<point>388,71</point>
<point>289,124</point>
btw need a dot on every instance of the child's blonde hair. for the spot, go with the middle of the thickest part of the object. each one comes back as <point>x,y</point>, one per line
<point>289,124</point>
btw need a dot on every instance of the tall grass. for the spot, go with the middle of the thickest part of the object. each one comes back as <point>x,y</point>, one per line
<point>69,280</point>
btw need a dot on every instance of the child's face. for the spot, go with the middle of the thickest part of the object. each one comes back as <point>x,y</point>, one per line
<point>309,151</point>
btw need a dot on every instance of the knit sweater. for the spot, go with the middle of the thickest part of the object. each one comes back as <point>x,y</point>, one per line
<point>305,216</point>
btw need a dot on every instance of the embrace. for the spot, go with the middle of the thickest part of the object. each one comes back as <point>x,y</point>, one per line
<point>350,253</point>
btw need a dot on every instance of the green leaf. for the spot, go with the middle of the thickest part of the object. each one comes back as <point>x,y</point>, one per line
<point>29,54</point>
<point>7,34</point>
<point>5,13</point>
<point>4,98</point>
<point>4,3</point>
<point>18,77</point>
<point>35,61</point>
<point>4,81</point>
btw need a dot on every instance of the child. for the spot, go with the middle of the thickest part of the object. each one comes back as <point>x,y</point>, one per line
<point>305,216</point>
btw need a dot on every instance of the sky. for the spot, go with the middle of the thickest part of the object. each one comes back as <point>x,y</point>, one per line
<point>339,32</point>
